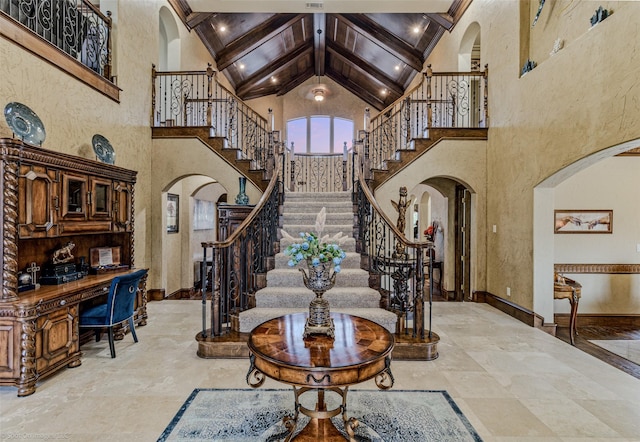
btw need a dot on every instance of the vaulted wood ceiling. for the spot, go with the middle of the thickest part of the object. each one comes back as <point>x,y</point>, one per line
<point>375,56</point>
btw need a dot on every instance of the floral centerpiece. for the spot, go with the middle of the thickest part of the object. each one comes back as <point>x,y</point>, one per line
<point>314,251</point>
<point>320,253</point>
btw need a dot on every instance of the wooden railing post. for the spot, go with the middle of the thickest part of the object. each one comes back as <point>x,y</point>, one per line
<point>153,94</point>
<point>210,74</point>
<point>428,76</point>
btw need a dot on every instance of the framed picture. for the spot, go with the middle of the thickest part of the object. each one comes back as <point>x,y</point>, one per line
<point>583,221</point>
<point>173,212</point>
<point>203,215</point>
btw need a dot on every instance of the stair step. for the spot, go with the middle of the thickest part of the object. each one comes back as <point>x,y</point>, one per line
<point>310,218</point>
<point>300,297</point>
<point>348,244</point>
<point>314,207</point>
<point>318,196</point>
<point>329,229</point>
<point>352,261</point>
<point>249,319</point>
<point>291,277</point>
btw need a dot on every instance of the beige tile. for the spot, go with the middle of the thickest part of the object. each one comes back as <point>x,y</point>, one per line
<point>512,382</point>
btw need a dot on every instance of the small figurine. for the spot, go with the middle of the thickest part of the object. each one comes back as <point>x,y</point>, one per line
<point>63,254</point>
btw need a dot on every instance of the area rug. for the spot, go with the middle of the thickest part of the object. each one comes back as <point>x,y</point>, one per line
<point>626,348</point>
<point>256,415</point>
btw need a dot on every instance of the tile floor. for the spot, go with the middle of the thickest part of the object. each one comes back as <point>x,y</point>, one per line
<point>513,382</point>
<point>628,349</point>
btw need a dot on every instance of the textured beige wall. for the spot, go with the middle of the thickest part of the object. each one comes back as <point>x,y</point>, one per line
<point>580,101</point>
<point>73,112</point>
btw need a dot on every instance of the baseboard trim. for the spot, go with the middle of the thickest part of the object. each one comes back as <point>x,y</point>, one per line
<point>155,294</point>
<point>514,310</point>
<point>598,320</point>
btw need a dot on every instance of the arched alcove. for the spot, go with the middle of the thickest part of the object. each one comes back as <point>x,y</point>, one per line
<point>469,52</point>
<point>168,42</point>
<point>590,183</point>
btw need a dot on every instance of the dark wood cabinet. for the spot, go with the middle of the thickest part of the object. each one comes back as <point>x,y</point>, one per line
<point>49,199</point>
<point>230,216</point>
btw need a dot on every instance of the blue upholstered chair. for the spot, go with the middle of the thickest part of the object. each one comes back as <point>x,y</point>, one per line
<point>117,309</point>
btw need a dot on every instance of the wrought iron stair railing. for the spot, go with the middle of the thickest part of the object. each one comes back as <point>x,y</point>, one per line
<point>399,264</point>
<point>441,100</point>
<point>197,99</point>
<point>240,262</point>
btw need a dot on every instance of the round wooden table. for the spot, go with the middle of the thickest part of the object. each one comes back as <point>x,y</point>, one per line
<point>361,350</point>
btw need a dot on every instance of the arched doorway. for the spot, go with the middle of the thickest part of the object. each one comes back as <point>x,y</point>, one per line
<point>447,204</point>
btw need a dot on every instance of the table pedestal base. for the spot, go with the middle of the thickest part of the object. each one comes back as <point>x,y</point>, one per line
<point>320,427</point>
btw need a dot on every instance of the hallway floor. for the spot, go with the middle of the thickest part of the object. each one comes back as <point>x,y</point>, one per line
<point>513,382</point>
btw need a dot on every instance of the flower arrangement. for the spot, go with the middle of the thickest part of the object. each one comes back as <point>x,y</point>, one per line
<point>315,251</point>
<point>429,233</point>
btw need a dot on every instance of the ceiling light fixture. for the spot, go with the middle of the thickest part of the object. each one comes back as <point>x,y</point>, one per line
<point>318,95</point>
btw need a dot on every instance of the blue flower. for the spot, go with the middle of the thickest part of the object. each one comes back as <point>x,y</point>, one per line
<point>337,261</point>
<point>287,251</point>
<point>337,269</point>
<point>315,261</point>
<point>299,257</point>
<point>291,263</point>
<point>343,255</point>
<point>302,234</point>
<point>305,246</point>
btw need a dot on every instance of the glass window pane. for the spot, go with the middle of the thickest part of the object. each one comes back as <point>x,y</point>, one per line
<point>297,134</point>
<point>342,131</point>
<point>320,134</point>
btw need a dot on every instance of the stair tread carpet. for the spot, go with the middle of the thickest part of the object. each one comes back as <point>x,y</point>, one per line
<point>285,291</point>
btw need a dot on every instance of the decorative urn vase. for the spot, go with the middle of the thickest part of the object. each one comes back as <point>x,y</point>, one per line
<point>319,280</point>
<point>242,198</point>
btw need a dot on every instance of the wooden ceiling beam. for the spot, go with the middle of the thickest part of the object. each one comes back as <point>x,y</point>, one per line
<point>296,81</point>
<point>380,36</point>
<point>358,90</point>
<point>355,62</point>
<point>272,69</point>
<point>195,19</point>
<point>319,42</point>
<point>250,41</point>
<point>443,20</point>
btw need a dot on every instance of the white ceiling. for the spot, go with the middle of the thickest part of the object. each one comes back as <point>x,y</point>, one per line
<point>328,6</point>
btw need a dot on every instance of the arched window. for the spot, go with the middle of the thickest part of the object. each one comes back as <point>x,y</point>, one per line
<point>319,134</point>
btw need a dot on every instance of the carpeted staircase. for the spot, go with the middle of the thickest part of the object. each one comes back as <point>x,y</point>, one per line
<point>285,292</point>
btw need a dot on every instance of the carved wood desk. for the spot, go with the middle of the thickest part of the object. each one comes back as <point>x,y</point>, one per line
<point>360,351</point>
<point>40,329</point>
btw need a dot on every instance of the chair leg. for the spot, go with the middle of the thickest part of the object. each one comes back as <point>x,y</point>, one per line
<point>112,346</point>
<point>133,330</point>
<point>97,332</point>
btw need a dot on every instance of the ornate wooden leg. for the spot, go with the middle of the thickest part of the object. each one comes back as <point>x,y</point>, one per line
<point>572,320</point>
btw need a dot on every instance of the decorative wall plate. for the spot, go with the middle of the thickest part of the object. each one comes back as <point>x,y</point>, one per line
<point>24,123</point>
<point>103,149</point>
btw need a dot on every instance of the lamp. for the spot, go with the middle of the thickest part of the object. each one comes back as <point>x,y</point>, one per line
<point>318,95</point>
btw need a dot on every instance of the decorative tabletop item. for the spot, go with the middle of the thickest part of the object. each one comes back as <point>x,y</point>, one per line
<point>24,123</point>
<point>320,257</point>
<point>242,198</point>
<point>103,149</point>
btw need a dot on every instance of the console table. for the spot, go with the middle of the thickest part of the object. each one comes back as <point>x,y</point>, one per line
<point>360,351</point>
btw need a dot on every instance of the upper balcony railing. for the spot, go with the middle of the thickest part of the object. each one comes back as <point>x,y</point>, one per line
<point>442,100</point>
<point>196,99</point>
<point>76,27</point>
